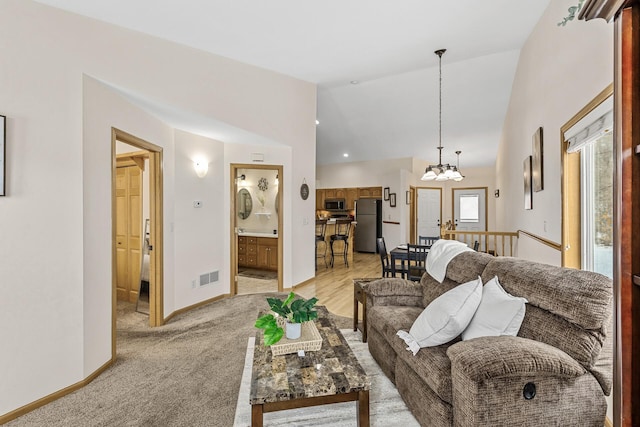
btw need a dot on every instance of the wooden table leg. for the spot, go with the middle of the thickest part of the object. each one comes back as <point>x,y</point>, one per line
<point>256,415</point>
<point>362,406</point>
<point>364,317</point>
<point>355,307</point>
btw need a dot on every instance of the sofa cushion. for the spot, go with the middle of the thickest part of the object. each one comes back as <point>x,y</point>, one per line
<point>574,306</point>
<point>433,366</point>
<point>445,318</point>
<point>389,319</point>
<point>499,313</point>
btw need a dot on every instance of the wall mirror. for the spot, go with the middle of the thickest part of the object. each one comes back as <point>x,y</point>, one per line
<point>245,204</point>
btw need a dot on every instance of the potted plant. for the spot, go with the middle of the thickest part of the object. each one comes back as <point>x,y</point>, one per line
<point>294,311</point>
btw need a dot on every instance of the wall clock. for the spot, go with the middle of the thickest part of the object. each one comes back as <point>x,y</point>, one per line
<point>304,191</point>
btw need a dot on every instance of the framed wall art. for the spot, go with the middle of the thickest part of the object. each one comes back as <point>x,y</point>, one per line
<point>386,193</point>
<point>537,166</point>
<point>392,200</point>
<point>3,152</point>
<point>528,205</point>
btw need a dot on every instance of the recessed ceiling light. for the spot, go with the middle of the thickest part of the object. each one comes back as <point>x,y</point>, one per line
<point>317,122</point>
<point>345,155</point>
<point>354,82</point>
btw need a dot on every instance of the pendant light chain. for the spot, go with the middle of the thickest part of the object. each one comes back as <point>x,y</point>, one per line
<point>442,172</point>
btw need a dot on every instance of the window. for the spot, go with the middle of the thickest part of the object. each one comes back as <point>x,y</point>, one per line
<point>469,208</point>
<point>596,174</point>
<point>587,188</point>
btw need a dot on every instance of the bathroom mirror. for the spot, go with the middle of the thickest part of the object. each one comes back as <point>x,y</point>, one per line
<point>276,202</point>
<point>245,204</point>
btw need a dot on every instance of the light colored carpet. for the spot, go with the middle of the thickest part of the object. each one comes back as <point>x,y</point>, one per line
<point>185,373</point>
<point>386,407</point>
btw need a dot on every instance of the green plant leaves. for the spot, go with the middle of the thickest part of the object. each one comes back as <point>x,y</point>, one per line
<point>296,311</point>
<point>273,335</point>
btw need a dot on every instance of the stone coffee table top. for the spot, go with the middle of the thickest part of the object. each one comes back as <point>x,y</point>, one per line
<point>331,370</point>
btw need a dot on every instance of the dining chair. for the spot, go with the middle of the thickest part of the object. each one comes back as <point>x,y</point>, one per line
<point>427,240</point>
<point>387,267</point>
<point>416,259</point>
<point>321,227</point>
<point>343,229</point>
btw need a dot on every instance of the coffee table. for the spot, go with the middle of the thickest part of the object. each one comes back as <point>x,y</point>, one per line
<point>329,375</point>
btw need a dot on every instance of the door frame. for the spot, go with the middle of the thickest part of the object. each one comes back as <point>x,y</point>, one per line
<point>156,270</point>
<point>414,223</point>
<point>486,204</point>
<point>233,268</point>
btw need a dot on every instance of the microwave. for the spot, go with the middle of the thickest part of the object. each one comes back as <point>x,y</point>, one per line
<point>334,204</point>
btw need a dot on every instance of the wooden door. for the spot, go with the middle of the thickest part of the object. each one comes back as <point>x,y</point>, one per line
<point>128,231</point>
<point>429,215</point>
<point>626,223</point>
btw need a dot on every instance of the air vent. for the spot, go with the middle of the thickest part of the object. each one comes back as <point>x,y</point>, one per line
<point>204,279</point>
<point>213,276</point>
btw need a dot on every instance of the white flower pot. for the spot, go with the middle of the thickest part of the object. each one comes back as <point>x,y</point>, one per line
<point>293,330</point>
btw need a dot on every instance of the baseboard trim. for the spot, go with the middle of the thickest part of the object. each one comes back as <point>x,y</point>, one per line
<point>306,282</point>
<point>194,306</point>
<point>53,396</point>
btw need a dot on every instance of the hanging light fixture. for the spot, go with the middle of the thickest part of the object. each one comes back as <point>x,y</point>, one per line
<point>441,172</point>
<point>457,175</point>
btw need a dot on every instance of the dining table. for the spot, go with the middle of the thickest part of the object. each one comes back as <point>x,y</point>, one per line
<point>402,254</point>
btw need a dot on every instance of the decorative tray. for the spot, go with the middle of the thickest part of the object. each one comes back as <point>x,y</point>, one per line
<point>310,340</point>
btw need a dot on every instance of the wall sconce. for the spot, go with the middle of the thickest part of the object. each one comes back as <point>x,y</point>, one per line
<point>201,167</point>
<point>496,193</point>
<point>240,180</point>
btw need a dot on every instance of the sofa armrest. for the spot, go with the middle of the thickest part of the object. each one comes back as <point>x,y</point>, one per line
<point>393,291</point>
<point>494,357</point>
<point>518,381</point>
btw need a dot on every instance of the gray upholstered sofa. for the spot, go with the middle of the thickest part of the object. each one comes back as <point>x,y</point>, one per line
<point>560,351</point>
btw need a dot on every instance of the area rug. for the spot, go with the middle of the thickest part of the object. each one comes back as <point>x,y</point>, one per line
<point>258,274</point>
<point>386,407</point>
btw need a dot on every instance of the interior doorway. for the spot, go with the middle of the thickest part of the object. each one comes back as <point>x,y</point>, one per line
<point>129,235</point>
<point>256,228</point>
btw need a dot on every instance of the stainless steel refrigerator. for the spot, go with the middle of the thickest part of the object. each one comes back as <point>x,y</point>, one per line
<point>369,227</point>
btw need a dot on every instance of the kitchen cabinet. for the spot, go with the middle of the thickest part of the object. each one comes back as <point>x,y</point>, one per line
<point>335,193</point>
<point>267,253</point>
<point>320,200</point>
<point>351,197</point>
<point>370,192</point>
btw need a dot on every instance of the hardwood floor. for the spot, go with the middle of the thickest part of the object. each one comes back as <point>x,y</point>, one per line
<point>334,286</point>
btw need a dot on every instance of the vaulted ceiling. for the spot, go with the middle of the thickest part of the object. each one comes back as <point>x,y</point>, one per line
<point>373,62</point>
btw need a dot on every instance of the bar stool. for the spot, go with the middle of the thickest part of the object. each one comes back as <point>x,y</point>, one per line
<point>343,228</point>
<point>321,227</point>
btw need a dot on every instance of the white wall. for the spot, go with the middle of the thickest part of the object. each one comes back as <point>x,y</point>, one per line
<point>560,70</point>
<point>56,219</point>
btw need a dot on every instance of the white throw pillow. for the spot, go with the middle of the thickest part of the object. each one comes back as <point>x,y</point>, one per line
<point>445,318</point>
<point>499,313</point>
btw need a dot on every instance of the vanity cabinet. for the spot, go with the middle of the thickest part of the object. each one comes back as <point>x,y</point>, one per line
<point>268,253</point>
<point>247,251</point>
<point>258,252</point>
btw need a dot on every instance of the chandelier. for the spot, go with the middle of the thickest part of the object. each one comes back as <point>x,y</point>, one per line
<point>442,172</point>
